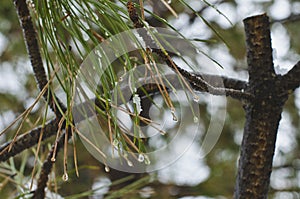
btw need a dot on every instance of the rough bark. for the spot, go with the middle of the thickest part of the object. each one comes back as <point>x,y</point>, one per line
<point>28,140</point>
<point>262,114</point>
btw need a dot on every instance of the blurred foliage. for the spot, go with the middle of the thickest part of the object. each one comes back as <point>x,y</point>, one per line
<point>222,160</point>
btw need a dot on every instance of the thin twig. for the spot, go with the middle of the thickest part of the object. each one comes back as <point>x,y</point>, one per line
<point>289,19</point>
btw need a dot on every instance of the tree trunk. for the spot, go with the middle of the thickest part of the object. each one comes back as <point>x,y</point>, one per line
<point>263,113</point>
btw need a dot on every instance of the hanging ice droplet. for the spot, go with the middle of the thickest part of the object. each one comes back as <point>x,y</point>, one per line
<point>173,114</point>
<point>65,177</point>
<point>129,163</point>
<point>196,119</point>
<point>196,98</point>
<point>116,142</point>
<point>141,158</point>
<point>107,169</point>
<point>175,119</point>
<point>147,160</point>
<point>162,132</point>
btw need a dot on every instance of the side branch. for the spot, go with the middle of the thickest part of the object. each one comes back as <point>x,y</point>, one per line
<point>219,85</point>
<point>28,140</point>
<point>229,83</point>
<point>198,82</point>
<point>291,80</point>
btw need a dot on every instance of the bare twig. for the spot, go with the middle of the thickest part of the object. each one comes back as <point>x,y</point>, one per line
<point>289,19</point>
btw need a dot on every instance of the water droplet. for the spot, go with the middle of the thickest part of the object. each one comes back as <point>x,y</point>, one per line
<point>65,177</point>
<point>175,119</point>
<point>116,142</point>
<point>196,98</point>
<point>129,163</point>
<point>106,34</point>
<point>169,1</point>
<point>85,36</point>
<point>173,114</point>
<point>121,78</point>
<point>147,160</point>
<point>96,17</point>
<point>53,159</point>
<point>99,53</point>
<point>196,119</point>
<point>107,169</point>
<point>141,158</point>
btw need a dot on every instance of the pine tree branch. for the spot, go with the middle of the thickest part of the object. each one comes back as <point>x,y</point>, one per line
<point>31,41</point>
<point>213,85</point>
<point>198,82</point>
<point>291,80</point>
<point>31,139</point>
<point>28,140</point>
<point>230,83</point>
